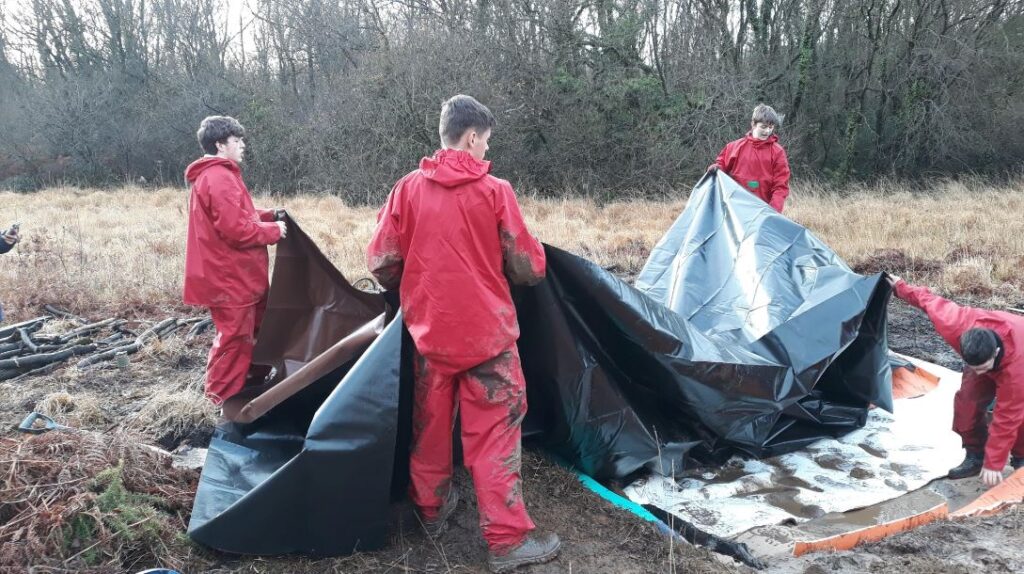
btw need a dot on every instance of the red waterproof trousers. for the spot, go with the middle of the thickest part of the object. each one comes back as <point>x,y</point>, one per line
<point>969,409</point>
<point>492,400</point>
<point>231,353</point>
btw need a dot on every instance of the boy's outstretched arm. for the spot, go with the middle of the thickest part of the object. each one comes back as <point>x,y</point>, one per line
<point>384,253</point>
<point>780,182</point>
<point>524,260</point>
<point>950,320</point>
<point>234,224</point>
<point>720,161</point>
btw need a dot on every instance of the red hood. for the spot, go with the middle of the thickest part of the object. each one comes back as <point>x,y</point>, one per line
<point>762,143</point>
<point>452,167</point>
<point>197,167</point>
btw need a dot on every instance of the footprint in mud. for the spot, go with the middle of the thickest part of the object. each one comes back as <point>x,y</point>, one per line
<point>874,451</point>
<point>796,482</point>
<point>786,502</point>
<point>896,484</point>
<point>861,473</point>
<point>831,462</point>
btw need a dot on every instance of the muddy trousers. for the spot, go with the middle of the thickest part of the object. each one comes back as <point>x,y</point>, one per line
<point>492,400</point>
<point>969,409</point>
<point>231,354</point>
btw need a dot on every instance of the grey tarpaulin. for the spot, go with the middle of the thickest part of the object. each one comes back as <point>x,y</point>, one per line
<point>744,333</point>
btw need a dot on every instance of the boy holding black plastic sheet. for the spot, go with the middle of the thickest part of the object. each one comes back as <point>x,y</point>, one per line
<point>451,238</point>
<point>757,161</point>
<point>226,260</point>
<point>989,343</point>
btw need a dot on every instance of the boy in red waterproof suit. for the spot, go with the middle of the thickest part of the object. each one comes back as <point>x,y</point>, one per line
<point>451,238</point>
<point>988,342</point>
<point>226,261</point>
<point>757,161</point>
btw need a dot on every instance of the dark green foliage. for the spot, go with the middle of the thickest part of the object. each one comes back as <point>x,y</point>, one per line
<point>602,98</point>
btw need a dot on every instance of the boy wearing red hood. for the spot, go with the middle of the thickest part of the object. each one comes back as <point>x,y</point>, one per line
<point>226,261</point>
<point>451,238</point>
<point>989,343</point>
<point>757,161</point>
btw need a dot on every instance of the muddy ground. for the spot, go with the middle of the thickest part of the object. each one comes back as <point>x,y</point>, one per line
<point>597,536</point>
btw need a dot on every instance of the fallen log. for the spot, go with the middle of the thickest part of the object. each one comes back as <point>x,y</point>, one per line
<point>10,373</point>
<point>111,339</point>
<point>12,353</point>
<point>10,346</point>
<point>75,343</point>
<point>86,330</point>
<point>32,325</point>
<point>44,370</point>
<point>169,328</point>
<point>40,359</point>
<point>120,328</point>
<point>27,341</point>
<point>170,323</point>
<point>57,312</point>
<point>129,349</point>
<point>199,328</point>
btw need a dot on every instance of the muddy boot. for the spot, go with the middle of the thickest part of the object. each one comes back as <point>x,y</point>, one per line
<point>1017,462</point>
<point>437,526</point>
<point>537,548</point>
<point>971,466</point>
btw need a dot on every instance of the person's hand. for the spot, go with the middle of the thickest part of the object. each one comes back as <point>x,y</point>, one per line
<point>283,228</point>
<point>279,214</point>
<point>991,477</point>
<point>12,237</point>
<point>713,168</point>
<point>892,279</point>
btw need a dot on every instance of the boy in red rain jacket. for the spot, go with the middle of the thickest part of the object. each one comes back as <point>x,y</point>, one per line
<point>451,238</point>
<point>226,261</point>
<point>757,161</point>
<point>989,343</point>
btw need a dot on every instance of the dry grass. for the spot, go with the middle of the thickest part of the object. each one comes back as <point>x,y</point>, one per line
<point>174,414</point>
<point>72,410</point>
<point>121,252</point>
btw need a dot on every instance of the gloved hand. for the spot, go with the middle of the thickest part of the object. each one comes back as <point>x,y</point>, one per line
<point>991,477</point>
<point>712,168</point>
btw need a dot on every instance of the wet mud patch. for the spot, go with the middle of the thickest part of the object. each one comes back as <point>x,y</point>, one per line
<point>912,334</point>
<point>895,261</point>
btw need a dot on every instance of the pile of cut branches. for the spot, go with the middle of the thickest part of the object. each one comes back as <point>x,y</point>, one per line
<point>87,502</point>
<point>26,349</point>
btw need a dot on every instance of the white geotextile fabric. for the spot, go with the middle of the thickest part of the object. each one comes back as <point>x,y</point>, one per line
<point>892,455</point>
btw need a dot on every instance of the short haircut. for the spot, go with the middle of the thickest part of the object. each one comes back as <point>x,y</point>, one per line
<point>460,114</point>
<point>978,346</point>
<point>215,129</point>
<point>766,114</point>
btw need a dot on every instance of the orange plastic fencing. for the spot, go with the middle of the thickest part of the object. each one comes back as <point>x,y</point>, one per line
<point>1005,494</point>
<point>911,383</point>
<point>874,533</point>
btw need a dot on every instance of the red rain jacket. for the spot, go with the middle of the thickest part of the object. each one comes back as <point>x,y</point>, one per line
<point>452,237</point>
<point>951,320</point>
<point>760,166</point>
<point>226,261</point>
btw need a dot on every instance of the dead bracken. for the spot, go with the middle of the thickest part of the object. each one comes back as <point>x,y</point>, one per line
<point>90,502</point>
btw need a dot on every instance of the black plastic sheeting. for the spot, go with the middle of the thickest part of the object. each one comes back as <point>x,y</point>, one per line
<point>744,334</point>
